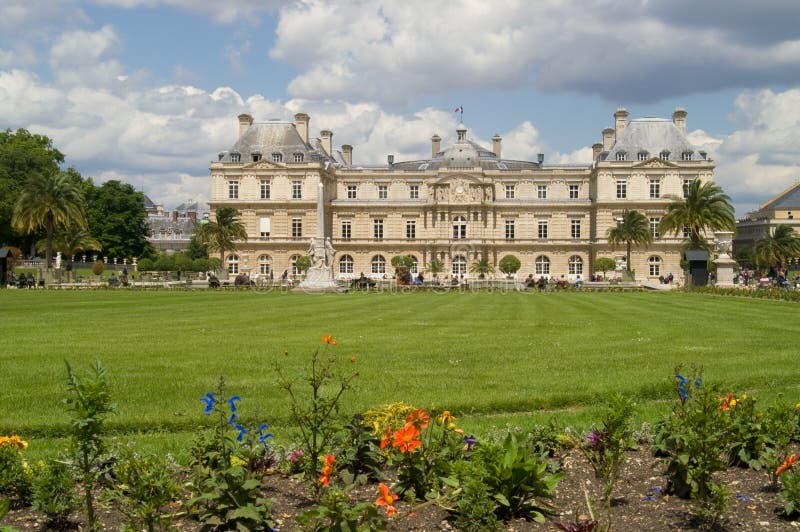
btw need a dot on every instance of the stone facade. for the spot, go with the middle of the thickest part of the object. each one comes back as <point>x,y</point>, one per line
<point>463,203</point>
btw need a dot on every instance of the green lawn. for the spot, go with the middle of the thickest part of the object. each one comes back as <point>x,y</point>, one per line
<point>491,358</point>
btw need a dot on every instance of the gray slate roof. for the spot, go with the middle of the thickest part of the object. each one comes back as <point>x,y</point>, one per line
<point>788,199</point>
<point>651,135</point>
<point>271,137</point>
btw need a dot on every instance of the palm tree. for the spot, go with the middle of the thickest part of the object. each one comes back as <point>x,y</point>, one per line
<point>222,233</point>
<point>632,229</point>
<point>481,267</point>
<point>72,239</point>
<point>49,201</point>
<point>705,208</point>
<point>778,247</point>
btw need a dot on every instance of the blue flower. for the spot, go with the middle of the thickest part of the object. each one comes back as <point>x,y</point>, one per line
<point>648,498</point>
<point>681,385</point>
<point>232,419</point>
<point>262,436</point>
<point>470,441</point>
<point>241,429</point>
<point>232,402</point>
<point>210,401</point>
<point>698,382</point>
<point>743,498</point>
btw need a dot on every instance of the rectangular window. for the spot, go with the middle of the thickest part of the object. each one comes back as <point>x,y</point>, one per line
<point>575,228</point>
<point>543,229</point>
<point>265,190</point>
<point>687,183</point>
<point>411,229</point>
<point>346,229</point>
<point>351,191</point>
<point>233,190</point>
<point>510,189</point>
<point>298,157</point>
<point>654,228</point>
<point>413,191</point>
<point>622,189</point>
<point>277,157</point>
<point>236,157</point>
<point>687,232</point>
<point>655,189</point>
<point>297,228</point>
<point>509,229</point>
<point>264,227</point>
<point>377,228</point>
<point>573,192</point>
<point>383,191</point>
<point>297,189</point>
<point>541,191</point>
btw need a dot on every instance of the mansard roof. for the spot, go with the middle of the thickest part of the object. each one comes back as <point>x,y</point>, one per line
<point>274,136</point>
<point>652,136</point>
<point>788,199</point>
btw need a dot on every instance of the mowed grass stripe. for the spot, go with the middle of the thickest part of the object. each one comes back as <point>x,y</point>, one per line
<point>482,355</point>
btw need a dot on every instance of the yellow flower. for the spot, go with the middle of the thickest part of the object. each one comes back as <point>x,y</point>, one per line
<point>13,441</point>
<point>353,359</point>
<point>445,417</point>
<point>236,461</point>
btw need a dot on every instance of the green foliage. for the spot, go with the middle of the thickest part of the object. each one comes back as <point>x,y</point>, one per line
<point>98,267</point>
<point>335,513</point>
<point>117,219</point>
<point>475,507</point>
<point>780,427</point>
<point>604,264</point>
<point>779,246</point>
<point>705,207</point>
<point>15,479</point>
<point>632,230</point>
<point>54,492</point>
<point>88,402</point>
<point>509,264</point>
<point>196,249</point>
<point>790,494</point>
<point>72,239</point>
<point>435,266</point>
<point>356,450</point>
<point>517,480</point>
<point>481,267</point>
<point>402,261</point>
<point>315,414</point>
<point>222,233</point>
<point>303,263</point>
<point>146,265</point>
<point>144,484</point>
<point>748,439</point>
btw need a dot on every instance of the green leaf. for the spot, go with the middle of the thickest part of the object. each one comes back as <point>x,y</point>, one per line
<point>246,512</point>
<point>499,497</point>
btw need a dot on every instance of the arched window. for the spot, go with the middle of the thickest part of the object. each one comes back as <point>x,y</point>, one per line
<point>414,265</point>
<point>459,227</point>
<point>378,264</point>
<point>575,265</point>
<point>542,265</point>
<point>263,265</point>
<point>293,260</point>
<point>346,264</point>
<point>654,266</point>
<point>459,265</point>
<point>233,264</point>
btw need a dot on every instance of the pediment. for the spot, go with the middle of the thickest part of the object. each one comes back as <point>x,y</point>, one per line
<point>263,164</point>
<point>655,162</point>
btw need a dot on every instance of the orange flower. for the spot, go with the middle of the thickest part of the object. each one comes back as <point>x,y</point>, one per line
<point>328,340</point>
<point>327,470</point>
<point>419,417</point>
<point>728,401</point>
<point>386,499</point>
<point>13,441</point>
<point>786,464</point>
<point>353,359</point>
<point>385,440</point>
<point>405,438</point>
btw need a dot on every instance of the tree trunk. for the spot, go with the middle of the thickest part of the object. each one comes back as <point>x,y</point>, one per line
<point>628,258</point>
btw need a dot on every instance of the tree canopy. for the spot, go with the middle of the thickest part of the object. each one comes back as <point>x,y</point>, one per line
<point>778,247</point>
<point>222,233</point>
<point>705,208</point>
<point>632,229</point>
<point>117,219</point>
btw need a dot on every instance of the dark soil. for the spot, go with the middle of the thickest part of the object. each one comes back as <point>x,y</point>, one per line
<point>639,503</point>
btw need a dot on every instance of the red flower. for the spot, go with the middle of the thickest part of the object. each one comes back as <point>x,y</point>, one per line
<point>327,470</point>
<point>419,417</point>
<point>786,464</point>
<point>385,440</point>
<point>328,340</point>
<point>387,499</point>
<point>405,438</point>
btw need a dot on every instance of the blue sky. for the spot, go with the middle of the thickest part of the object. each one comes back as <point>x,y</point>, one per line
<point>147,91</point>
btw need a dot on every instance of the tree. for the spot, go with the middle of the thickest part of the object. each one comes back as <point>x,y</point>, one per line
<point>117,219</point>
<point>222,233</point>
<point>482,267</point>
<point>21,154</point>
<point>48,201</point>
<point>604,264</point>
<point>778,247</point>
<point>705,208</point>
<point>745,256</point>
<point>633,229</point>
<point>303,263</point>
<point>509,265</point>
<point>435,266</point>
<point>72,239</point>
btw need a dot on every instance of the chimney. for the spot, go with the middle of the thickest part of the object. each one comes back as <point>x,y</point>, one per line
<point>347,154</point>
<point>436,145</point>
<point>608,138</point>
<point>245,120</point>
<point>301,124</point>
<point>390,159</point>
<point>679,119</point>
<point>620,121</point>
<point>597,148</point>
<point>540,158</point>
<point>327,141</point>
<point>496,142</point>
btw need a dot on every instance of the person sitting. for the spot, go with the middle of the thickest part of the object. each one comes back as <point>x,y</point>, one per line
<point>541,283</point>
<point>530,282</point>
<point>213,281</point>
<point>112,281</point>
<point>420,280</point>
<point>578,282</point>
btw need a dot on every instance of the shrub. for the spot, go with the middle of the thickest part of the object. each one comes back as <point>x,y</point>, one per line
<point>54,492</point>
<point>509,265</point>
<point>357,449</point>
<point>335,512</point>
<point>15,479</point>
<point>475,509</point>
<point>790,492</point>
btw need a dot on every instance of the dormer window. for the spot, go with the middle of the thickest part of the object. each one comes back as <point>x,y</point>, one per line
<point>664,155</point>
<point>256,156</point>
<point>221,155</point>
<point>686,156</point>
<point>298,157</point>
<point>643,155</point>
<point>236,157</point>
<point>621,156</point>
<point>277,157</point>
<point>703,154</point>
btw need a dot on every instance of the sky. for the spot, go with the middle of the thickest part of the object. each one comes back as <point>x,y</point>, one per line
<point>147,91</point>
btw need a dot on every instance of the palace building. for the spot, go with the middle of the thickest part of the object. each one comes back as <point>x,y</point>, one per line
<point>462,203</point>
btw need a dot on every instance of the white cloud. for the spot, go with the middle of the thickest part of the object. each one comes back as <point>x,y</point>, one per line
<point>224,12</point>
